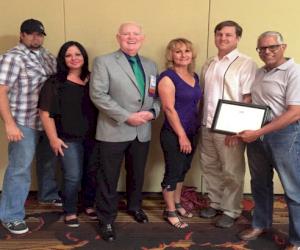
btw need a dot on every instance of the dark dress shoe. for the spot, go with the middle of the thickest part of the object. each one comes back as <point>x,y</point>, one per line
<point>251,234</point>
<point>107,232</point>
<point>225,221</point>
<point>208,212</point>
<point>139,216</point>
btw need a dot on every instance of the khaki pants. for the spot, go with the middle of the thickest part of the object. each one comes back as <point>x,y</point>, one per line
<point>223,170</point>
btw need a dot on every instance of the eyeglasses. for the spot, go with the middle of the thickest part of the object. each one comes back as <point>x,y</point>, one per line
<point>271,48</point>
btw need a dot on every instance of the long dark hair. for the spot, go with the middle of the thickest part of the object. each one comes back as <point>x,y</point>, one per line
<point>63,70</point>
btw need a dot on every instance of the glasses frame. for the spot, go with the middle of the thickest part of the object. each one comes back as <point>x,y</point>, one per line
<point>272,48</point>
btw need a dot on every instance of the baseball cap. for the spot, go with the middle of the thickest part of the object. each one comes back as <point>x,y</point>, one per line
<point>32,25</point>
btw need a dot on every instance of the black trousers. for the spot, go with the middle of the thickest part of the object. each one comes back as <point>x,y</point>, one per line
<point>177,163</point>
<point>111,157</point>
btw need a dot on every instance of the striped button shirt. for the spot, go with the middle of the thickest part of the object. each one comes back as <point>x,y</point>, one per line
<point>24,72</point>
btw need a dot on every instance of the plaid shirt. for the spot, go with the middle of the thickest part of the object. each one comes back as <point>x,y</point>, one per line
<point>24,72</point>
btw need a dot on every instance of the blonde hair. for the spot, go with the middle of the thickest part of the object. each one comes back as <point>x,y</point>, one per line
<point>173,44</point>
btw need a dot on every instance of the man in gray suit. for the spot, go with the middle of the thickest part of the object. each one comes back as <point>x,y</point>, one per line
<point>123,88</point>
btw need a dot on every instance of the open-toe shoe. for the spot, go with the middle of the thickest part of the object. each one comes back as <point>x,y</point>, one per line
<point>179,208</point>
<point>173,214</point>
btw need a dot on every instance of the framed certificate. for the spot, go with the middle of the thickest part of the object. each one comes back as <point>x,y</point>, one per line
<point>233,117</point>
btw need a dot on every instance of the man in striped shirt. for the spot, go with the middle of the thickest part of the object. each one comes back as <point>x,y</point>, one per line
<point>23,70</point>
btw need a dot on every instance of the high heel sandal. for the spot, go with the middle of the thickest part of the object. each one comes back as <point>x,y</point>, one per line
<point>186,214</point>
<point>173,214</point>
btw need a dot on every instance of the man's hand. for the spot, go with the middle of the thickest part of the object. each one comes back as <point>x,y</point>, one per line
<point>147,115</point>
<point>138,118</point>
<point>13,133</point>
<point>58,146</point>
<point>248,135</point>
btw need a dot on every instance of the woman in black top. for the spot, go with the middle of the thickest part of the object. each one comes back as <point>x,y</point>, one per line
<point>69,119</point>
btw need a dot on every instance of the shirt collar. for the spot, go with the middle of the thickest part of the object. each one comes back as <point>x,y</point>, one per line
<point>136,56</point>
<point>128,56</point>
<point>230,56</point>
<point>283,66</point>
<point>28,51</point>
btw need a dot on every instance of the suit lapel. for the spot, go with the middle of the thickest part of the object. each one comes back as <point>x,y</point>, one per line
<point>147,73</point>
<point>125,66</point>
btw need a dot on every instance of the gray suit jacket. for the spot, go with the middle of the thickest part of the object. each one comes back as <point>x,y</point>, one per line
<point>114,91</point>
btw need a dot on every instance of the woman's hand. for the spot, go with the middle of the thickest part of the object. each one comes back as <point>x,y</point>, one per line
<point>58,146</point>
<point>185,144</point>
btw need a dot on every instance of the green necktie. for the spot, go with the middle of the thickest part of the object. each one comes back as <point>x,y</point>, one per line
<point>139,75</point>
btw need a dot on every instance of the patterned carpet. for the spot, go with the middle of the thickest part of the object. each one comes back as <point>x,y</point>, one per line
<point>47,231</point>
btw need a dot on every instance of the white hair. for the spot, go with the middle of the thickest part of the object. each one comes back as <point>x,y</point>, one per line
<point>276,34</point>
<point>129,23</point>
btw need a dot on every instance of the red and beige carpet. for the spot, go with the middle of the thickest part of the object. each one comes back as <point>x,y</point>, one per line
<point>47,231</point>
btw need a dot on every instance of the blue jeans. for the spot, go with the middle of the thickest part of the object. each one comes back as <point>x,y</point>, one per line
<point>89,175</point>
<point>17,178</point>
<point>72,163</point>
<point>46,162</point>
<point>281,150</point>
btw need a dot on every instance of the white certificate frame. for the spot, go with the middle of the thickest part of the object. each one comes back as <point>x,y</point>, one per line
<point>233,117</point>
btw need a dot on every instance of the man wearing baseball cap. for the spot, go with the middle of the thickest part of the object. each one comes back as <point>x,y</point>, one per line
<point>31,25</point>
<point>23,70</point>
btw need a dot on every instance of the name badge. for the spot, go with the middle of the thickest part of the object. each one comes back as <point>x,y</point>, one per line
<point>152,87</point>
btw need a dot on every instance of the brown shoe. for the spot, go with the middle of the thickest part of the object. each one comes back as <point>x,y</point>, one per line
<point>292,247</point>
<point>251,234</point>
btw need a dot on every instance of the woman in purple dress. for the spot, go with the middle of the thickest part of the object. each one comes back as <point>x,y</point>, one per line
<point>180,93</point>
